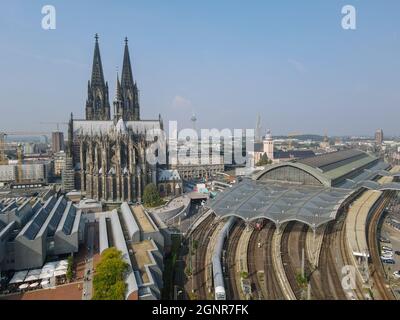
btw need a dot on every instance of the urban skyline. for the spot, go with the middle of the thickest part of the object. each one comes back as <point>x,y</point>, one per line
<point>312,71</point>
<point>200,151</point>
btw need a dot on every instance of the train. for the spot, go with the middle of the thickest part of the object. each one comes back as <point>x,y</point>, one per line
<point>218,276</point>
<point>220,293</point>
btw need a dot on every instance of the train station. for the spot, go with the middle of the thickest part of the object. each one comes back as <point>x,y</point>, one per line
<point>311,190</point>
<point>289,230</point>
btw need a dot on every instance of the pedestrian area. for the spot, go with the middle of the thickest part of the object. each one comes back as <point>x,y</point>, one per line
<point>50,275</point>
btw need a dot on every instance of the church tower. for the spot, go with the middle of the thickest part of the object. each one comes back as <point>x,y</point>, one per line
<point>97,103</point>
<point>118,102</point>
<point>269,145</point>
<point>129,90</point>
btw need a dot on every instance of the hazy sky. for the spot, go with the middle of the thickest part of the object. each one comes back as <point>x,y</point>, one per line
<point>227,61</point>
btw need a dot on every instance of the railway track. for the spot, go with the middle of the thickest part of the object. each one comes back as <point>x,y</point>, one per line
<point>231,244</point>
<point>273,287</point>
<point>346,258</point>
<point>291,257</point>
<point>253,263</point>
<point>376,268</point>
<point>331,284</point>
<point>200,239</point>
<point>314,281</point>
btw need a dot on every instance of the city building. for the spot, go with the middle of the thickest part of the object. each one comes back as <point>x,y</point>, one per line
<point>33,229</point>
<point>276,156</point>
<point>57,142</point>
<point>196,159</point>
<point>132,231</point>
<point>379,137</point>
<point>59,159</point>
<point>169,183</point>
<point>108,154</point>
<point>38,171</point>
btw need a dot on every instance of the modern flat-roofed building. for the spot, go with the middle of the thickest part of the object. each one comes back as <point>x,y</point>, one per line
<point>132,231</point>
<point>36,229</point>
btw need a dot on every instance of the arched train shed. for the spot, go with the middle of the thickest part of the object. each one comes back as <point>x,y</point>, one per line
<point>310,191</point>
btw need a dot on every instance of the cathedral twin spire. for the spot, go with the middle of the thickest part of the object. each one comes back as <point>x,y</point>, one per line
<point>126,102</point>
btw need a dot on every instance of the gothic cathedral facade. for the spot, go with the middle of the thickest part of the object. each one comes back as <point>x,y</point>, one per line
<point>109,153</point>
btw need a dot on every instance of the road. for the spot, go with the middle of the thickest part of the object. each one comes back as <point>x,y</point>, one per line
<point>87,291</point>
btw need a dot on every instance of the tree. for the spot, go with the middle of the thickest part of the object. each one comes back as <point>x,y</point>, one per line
<point>264,160</point>
<point>151,196</point>
<point>108,282</point>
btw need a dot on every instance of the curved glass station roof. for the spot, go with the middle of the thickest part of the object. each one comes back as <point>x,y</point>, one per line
<point>310,190</point>
<point>251,200</point>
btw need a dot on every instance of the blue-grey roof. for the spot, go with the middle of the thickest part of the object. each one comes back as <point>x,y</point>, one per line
<point>251,200</point>
<point>367,174</point>
<point>293,154</point>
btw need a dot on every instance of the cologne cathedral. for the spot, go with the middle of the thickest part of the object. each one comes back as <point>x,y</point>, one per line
<point>106,155</point>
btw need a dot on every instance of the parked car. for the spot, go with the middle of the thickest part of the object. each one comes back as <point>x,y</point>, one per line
<point>386,248</point>
<point>396,274</point>
<point>397,252</point>
<point>388,261</point>
<point>384,240</point>
<point>387,256</point>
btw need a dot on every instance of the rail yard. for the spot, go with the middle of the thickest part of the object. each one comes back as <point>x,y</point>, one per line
<point>316,239</point>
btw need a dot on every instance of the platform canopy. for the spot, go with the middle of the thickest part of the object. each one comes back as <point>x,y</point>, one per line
<point>280,202</point>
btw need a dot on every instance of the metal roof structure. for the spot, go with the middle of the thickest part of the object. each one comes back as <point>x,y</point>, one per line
<point>295,154</point>
<point>330,169</point>
<point>278,202</point>
<point>328,161</point>
<point>367,174</point>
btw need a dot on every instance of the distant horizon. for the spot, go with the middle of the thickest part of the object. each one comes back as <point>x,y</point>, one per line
<point>225,62</point>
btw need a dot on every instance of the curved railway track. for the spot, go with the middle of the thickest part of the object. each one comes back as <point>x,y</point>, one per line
<point>231,244</point>
<point>314,281</point>
<point>201,235</point>
<point>376,268</point>
<point>331,284</point>
<point>345,255</point>
<point>288,257</point>
<point>273,287</point>
<point>253,265</point>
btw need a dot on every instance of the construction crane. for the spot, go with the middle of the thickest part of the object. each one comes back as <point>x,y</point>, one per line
<point>26,133</point>
<point>56,123</point>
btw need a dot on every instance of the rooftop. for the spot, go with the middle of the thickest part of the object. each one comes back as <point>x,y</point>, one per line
<point>329,161</point>
<point>104,127</point>
<point>330,169</point>
<point>142,258</point>
<point>142,219</point>
<point>278,202</point>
